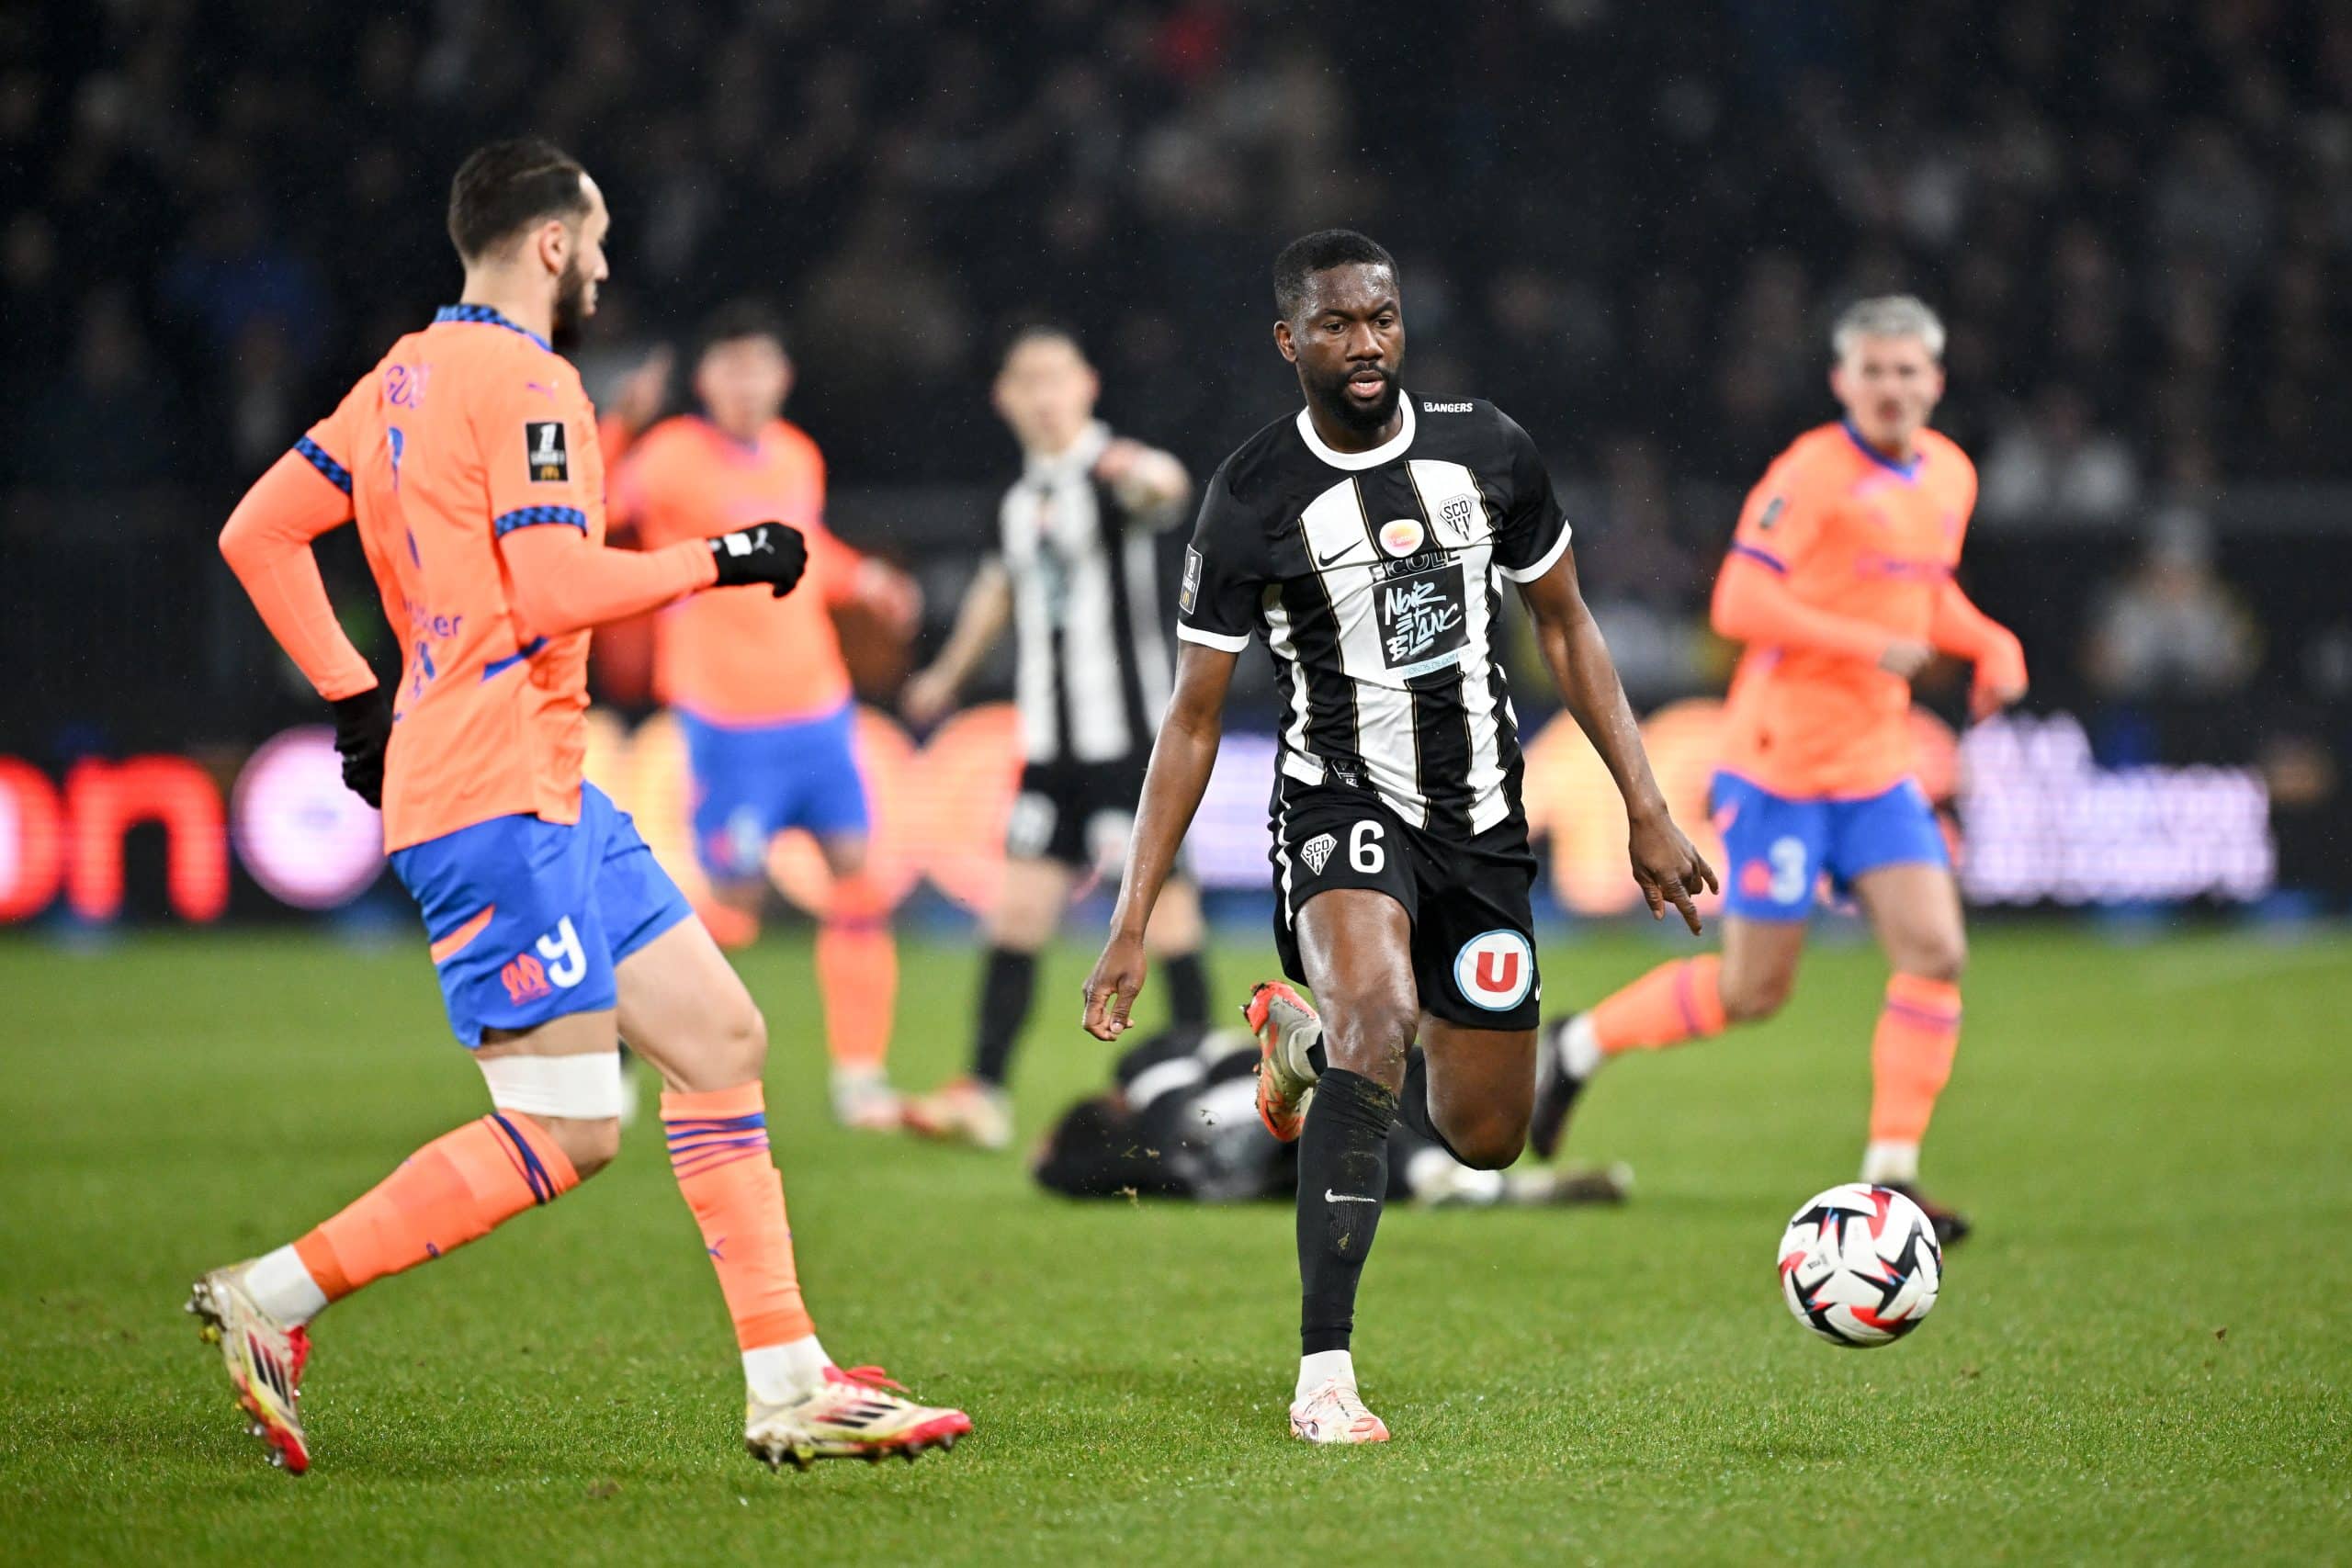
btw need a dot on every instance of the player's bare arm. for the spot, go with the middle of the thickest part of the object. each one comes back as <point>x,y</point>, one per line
<point>1180,761</point>
<point>980,619</point>
<point>1668,869</point>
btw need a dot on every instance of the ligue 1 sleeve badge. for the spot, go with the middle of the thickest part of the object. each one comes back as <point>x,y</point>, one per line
<point>1495,969</point>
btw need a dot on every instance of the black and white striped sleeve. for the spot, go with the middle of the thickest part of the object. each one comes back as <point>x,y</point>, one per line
<point>1534,532</point>
<point>1225,572</point>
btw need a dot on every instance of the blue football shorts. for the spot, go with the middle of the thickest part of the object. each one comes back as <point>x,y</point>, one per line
<point>1777,846</point>
<point>528,918</point>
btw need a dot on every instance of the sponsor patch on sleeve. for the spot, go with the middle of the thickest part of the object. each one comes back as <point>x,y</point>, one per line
<point>1191,590</point>
<point>1772,513</point>
<point>549,453</point>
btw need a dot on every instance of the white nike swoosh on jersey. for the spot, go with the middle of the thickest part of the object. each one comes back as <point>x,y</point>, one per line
<point>1331,1196</point>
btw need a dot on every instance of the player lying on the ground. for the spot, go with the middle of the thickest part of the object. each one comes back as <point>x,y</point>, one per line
<point>759,685</point>
<point>1074,572</point>
<point>1367,540</point>
<point>1179,1120</point>
<point>1840,580</point>
<point>469,459</point>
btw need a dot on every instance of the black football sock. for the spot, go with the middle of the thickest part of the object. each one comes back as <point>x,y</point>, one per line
<point>1342,1181</point>
<point>1413,1105</point>
<point>1004,1008</point>
<point>1188,989</point>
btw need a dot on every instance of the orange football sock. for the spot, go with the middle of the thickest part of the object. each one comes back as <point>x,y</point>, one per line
<point>461,1186</point>
<point>857,972</point>
<point>1672,1003</point>
<point>1919,1030</point>
<point>719,1147</point>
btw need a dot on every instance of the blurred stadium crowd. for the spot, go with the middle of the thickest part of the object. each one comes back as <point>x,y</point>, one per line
<point>1625,223</point>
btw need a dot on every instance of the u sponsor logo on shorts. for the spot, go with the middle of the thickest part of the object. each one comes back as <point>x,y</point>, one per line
<point>1494,970</point>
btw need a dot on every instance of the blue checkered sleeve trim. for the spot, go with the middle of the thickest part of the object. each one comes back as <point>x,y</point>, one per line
<point>531,516</point>
<point>316,456</point>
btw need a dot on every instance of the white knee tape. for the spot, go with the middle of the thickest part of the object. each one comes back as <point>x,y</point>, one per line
<point>584,1087</point>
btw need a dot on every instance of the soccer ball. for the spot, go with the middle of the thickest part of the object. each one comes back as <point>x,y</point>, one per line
<point>1860,1265</point>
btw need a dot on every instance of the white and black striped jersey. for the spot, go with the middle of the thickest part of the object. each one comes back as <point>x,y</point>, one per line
<point>1376,580</point>
<point>1091,666</point>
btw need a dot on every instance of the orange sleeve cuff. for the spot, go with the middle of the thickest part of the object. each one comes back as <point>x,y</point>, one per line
<point>1961,629</point>
<point>1752,604</point>
<point>837,568</point>
<point>560,584</point>
<point>266,543</point>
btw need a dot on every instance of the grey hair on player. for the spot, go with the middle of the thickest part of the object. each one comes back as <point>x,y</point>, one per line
<point>1888,315</point>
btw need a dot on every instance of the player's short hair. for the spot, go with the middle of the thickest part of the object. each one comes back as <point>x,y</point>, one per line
<point>504,186</point>
<point>738,320</point>
<point>1320,251</point>
<point>1888,315</point>
<point>1039,329</point>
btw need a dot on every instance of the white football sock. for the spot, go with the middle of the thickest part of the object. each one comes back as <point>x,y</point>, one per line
<point>284,1288</point>
<point>776,1373</point>
<point>1885,1162</point>
<point>1579,1047</point>
<point>1321,1368</point>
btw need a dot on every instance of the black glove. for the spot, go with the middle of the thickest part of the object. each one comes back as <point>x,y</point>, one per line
<point>772,553</point>
<point>363,727</point>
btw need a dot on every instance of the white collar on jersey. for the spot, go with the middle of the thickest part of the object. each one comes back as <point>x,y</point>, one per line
<point>1072,461</point>
<point>1387,451</point>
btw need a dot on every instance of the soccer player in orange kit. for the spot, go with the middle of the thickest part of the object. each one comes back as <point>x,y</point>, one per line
<point>758,686</point>
<point>1840,580</point>
<point>469,459</point>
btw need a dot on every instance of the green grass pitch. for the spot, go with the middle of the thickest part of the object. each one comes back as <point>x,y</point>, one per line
<point>2143,1356</point>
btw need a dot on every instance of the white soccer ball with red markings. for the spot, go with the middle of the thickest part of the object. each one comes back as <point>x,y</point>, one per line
<point>1860,1265</point>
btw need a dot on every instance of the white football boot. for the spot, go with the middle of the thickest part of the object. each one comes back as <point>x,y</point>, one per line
<point>856,1413</point>
<point>1332,1413</point>
<point>264,1361</point>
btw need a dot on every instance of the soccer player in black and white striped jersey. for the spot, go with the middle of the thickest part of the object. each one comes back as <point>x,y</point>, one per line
<point>1367,540</point>
<point>1075,573</point>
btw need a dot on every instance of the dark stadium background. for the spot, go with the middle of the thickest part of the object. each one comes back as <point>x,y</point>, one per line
<point>2136,216</point>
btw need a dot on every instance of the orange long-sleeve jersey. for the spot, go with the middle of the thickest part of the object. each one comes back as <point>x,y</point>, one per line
<point>469,459</point>
<point>1840,551</point>
<point>739,658</point>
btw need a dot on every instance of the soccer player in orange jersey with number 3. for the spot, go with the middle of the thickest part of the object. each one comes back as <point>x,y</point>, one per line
<point>469,459</point>
<point>1840,580</point>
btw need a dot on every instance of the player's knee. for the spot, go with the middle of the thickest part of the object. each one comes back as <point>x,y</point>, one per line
<point>1942,958</point>
<point>1750,999</point>
<point>740,1050</point>
<point>590,1144</point>
<point>1368,1032</point>
<point>1491,1142</point>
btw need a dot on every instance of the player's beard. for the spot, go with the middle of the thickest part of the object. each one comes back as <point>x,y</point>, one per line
<point>1330,395</point>
<point>570,307</point>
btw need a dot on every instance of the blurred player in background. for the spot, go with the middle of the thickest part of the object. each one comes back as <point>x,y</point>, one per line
<point>1840,580</point>
<point>469,457</point>
<point>1075,574</point>
<point>759,685</point>
<point>1179,1120</point>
